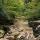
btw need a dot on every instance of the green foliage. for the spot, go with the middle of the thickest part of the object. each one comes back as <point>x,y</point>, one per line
<point>33,8</point>
<point>14,5</point>
<point>19,8</point>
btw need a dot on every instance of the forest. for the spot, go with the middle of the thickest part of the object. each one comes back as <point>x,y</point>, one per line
<point>19,8</point>
<point>17,19</point>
